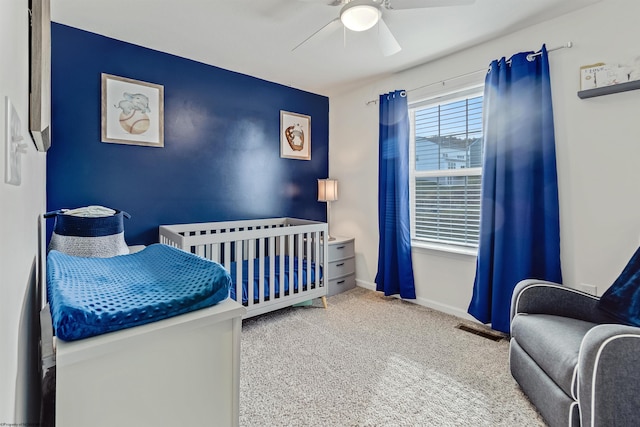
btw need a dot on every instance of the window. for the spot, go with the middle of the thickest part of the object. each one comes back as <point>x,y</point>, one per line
<point>446,158</point>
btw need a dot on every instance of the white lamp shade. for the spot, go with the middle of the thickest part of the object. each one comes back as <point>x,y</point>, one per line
<point>359,17</point>
<point>327,190</point>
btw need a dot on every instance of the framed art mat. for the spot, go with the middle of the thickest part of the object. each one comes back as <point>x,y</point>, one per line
<point>132,112</point>
<point>295,136</point>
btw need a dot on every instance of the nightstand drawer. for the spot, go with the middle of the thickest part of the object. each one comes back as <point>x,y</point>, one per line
<point>342,267</point>
<point>341,284</point>
<point>341,250</point>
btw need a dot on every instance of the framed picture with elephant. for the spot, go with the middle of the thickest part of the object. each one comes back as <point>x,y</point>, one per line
<point>132,111</point>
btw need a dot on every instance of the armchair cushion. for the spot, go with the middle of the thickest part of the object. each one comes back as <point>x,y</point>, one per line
<point>622,299</point>
<point>554,343</point>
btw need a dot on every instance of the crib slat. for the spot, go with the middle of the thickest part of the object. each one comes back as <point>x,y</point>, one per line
<point>281,275</point>
<point>291,255</point>
<point>227,255</point>
<point>200,251</point>
<point>261,270</point>
<point>251,251</point>
<point>238,284</point>
<point>308,258</point>
<point>215,252</point>
<point>272,261</point>
<point>316,256</point>
<point>299,256</point>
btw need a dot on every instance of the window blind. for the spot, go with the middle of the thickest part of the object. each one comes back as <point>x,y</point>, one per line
<point>447,173</point>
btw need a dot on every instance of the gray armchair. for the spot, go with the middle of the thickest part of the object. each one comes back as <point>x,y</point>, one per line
<point>577,365</point>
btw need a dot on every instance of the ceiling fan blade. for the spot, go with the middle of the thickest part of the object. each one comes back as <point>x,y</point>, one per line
<point>418,4</point>
<point>322,32</point>
<point>388,43</point>
<point>327,2</point>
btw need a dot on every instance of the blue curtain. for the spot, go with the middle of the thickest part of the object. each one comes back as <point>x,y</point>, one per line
<point>395,270</point>
<point>519,220</point>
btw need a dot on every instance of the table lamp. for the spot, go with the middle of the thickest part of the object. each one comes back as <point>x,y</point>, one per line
<point>328,192</point>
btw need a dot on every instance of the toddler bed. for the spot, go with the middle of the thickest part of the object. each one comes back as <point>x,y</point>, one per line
<point>273,263</point>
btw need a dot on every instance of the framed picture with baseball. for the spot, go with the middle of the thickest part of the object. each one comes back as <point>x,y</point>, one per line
<point>132,112</point>
<point>295,136</point>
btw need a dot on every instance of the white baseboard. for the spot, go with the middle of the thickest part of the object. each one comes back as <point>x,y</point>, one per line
<point>434,305</point>
<point>366,285</point>
<point>449,309</point>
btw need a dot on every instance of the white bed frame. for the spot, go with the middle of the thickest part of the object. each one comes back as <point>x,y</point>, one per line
<point>226,242</point>
<point>179,371</point>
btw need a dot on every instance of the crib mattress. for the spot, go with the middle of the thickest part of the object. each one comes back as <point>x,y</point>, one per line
<point>93,296</point>
<point>267,273</point>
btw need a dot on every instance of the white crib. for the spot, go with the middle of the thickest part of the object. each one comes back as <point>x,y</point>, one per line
<point>291,248</point>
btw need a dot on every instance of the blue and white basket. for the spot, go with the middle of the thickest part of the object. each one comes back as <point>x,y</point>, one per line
<point>93,231</point>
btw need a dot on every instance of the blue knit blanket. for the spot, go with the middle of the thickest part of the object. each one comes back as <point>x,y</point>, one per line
<point>92,296</point>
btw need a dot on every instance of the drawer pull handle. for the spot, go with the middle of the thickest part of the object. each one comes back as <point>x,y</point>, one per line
<point>340,282</point>
<point>339,247</point>
<point>340,265</point>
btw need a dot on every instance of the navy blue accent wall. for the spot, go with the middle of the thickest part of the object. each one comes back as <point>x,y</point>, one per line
<point>221,156</point>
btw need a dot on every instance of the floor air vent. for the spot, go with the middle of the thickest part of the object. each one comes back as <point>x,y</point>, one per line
<point>485,333</point>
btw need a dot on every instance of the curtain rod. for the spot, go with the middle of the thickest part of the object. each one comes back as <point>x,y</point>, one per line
<point>484,70</point>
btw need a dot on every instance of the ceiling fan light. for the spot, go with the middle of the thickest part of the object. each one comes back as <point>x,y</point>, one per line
<point>360,17</point>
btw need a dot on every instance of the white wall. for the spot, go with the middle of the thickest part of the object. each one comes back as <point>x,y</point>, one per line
<point>19,210</point>
<point>597,142</point>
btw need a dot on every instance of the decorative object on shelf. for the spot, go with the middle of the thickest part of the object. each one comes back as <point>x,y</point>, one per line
<point>602,75</point>
<point>40,70</point>
<point>328,192</point>
<point>588,74</point>
<point>132,112</point>
<point>612,75</point>
<point>295,136</point>
<point>634,69</point>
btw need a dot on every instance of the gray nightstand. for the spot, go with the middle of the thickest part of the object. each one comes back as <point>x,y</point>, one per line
<point>342,265</point>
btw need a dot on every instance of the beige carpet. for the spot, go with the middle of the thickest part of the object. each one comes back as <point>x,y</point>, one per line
<point>374,361</point>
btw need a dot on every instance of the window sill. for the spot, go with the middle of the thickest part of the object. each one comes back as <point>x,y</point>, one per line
<point>461,250</point>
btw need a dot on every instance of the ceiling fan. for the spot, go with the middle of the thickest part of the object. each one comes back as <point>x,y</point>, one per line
<point>361,15</point>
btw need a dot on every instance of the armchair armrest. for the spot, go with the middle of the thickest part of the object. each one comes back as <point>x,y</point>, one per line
<point>541,297</point>
<point>609,376</point>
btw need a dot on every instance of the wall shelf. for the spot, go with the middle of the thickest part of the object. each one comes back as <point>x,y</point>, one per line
<point>599,91</point>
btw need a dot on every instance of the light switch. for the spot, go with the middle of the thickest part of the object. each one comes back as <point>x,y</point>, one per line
<point>14,145</point>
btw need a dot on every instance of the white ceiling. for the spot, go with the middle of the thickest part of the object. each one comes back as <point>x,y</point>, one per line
<point>256,37</point>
